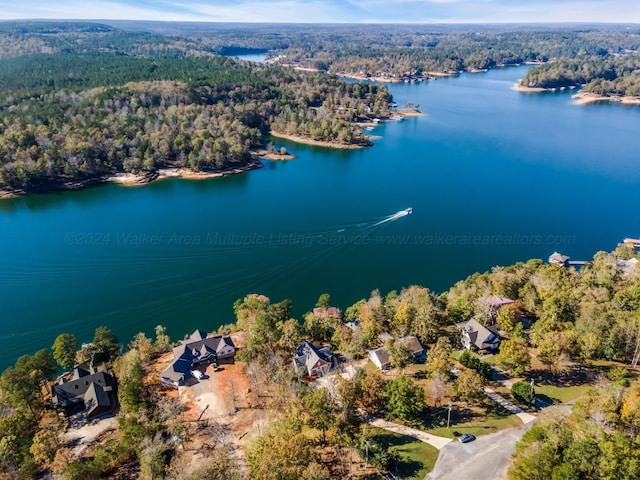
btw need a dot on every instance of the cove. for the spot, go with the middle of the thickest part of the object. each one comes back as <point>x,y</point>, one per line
<point>493,177</point>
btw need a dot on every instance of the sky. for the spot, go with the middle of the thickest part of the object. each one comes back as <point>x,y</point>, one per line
<point>330,11</point>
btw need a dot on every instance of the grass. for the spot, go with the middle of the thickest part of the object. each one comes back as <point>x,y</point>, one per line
<point>562,394</point>
<point>416,458</point>
<point>475,421</point>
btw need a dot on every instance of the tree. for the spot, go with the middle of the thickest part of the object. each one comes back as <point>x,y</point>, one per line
<point>44,447</point>
<point>283,452</point>
<point>320,409</point>
<point>106,345</point>
<point>324,301</point>
<point>514,355</point>
<point>437,389</point>
<point>400,355</point>
<point>523,392</point>
<point>438,358</point>
<point>469,386</point>
<point>64,349</point>
<point>507,318</point>
<point>372,393</point>
<point>143,345</point>
<point>405,399</point>
<point>162,342</point>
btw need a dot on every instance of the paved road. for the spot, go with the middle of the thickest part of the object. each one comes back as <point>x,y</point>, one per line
<point>486,458</point>
<point>425,437</point>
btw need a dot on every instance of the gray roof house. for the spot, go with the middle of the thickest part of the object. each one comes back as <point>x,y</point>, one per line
<point>418,351</point>
<point>316,361</point>
<point>380,356</point>
<point>483,338</point>
<point>88,391</point>
<point>196,351</point>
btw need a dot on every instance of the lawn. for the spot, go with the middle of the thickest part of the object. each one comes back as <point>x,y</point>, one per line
<point>416,458</point>
<point>475,421</point>
<point>561,394</point>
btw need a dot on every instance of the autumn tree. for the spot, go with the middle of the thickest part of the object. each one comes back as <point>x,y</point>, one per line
<point>469,386</point>
<point>438,357</point>
<point>372,393</point>
<point>514,355</point>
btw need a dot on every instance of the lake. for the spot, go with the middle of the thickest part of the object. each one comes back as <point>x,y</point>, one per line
<point>493,177</point>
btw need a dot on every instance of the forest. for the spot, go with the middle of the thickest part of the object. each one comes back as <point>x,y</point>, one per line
<point>603,75</point>
<point>73,115</point>
<point>576,322</point>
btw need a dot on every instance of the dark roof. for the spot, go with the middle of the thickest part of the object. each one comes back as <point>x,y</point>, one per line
<point>75,390</point>
<point>96,399</point>
<point>197,348</point>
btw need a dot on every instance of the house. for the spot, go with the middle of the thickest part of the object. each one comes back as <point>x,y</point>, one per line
<point>328,312</point>
<point>559,259</point>
<point>380,358</point>
<point>475,334</point>
<point>315,361</point>
<point>90,391</point>
<point>417,350</point>
<point>499,302</point>
<point>197,351</point>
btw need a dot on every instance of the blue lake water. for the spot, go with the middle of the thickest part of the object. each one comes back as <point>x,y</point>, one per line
<point>493,177</point>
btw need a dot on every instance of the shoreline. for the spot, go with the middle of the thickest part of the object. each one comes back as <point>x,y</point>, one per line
<point>137,179</point>
<point>520,88</point>
<point>317,143</point>
<point>589,98</point>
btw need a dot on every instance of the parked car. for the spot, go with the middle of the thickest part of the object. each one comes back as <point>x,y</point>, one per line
<point>466,438</point>
<point>197,374</point>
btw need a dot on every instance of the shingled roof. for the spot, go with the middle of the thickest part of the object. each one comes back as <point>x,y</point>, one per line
<point>85,388</point>
<point>198,348</point>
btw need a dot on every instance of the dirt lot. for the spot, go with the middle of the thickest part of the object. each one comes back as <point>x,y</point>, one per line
<point>220,407</point>
<point>80,438</point>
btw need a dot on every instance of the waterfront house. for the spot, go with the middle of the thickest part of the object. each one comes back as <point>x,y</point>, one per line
<point>328,312</point>
<point>473,334</point>
<point>313,360</point>
<point>89,391</point>
<point>196,353</point>
<point>559,259</point>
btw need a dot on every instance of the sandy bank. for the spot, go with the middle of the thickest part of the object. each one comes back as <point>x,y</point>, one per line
<point>587,98</point>
<point>133,179</point>
<point>266,154</point>
<point>521,88</point>
<point>318,143</point>
<point>372,79</point>
<point>443,74</point>
<point>408,112</point>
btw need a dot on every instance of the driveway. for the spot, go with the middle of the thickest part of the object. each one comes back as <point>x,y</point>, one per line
<point>486,458</point>
<point>425,437</point>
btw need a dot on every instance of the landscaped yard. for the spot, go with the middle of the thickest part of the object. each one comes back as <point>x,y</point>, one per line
<point>416,458</point>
